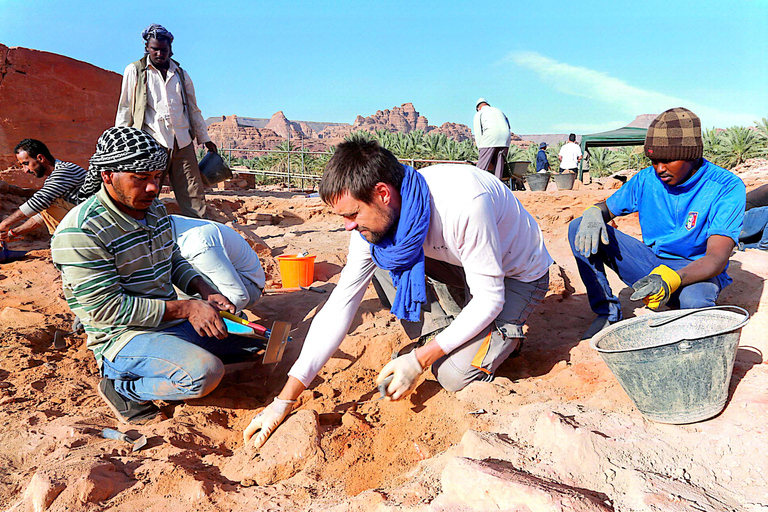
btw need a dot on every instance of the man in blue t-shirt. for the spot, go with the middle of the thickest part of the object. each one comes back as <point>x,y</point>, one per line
<point>691,213</point>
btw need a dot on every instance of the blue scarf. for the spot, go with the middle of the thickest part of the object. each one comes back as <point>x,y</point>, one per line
<point>402,253</point>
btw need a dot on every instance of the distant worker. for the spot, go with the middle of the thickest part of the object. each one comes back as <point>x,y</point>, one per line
<point>754,234</point>
<point>57,196</point>
<point>119,264</point>
<point>158,97</point>
<point>570,155</point>
<point>219,253</point>
<point>492,136</point>
<point>691,213</point>
<point>453,226</point>
<point>542,162</point>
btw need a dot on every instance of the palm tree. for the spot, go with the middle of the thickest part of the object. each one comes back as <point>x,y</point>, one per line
<point>711,140</point>
<point>738,144</point>
<point>433,146</point>
<point>630,157</point>
<point>601,161</point>
<point>530,155</point>
<point>762,130</point>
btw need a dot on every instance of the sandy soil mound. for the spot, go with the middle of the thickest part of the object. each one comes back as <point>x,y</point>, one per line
<point>553,431</point>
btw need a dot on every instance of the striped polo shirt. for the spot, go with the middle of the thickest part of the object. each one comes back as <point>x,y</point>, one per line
<point>64,182</point>
<point>117,273</point>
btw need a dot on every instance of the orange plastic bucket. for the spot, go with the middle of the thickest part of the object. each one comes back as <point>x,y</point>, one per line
<point>296,271</point>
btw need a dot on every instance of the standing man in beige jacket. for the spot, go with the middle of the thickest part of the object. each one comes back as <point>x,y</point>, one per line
<point>158,97</point>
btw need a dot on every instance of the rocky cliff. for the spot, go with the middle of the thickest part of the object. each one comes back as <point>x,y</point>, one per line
<point>251,133</point>
<point>64,102</point>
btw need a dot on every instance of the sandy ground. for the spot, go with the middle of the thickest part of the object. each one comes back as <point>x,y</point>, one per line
<point>554,414</point>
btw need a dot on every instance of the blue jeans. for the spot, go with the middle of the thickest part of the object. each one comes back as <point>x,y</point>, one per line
<point>174,364</point>
<point>631,259</point>
<point>754,233</point>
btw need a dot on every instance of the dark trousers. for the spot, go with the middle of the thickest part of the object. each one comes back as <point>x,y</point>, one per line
<point>631,259</point>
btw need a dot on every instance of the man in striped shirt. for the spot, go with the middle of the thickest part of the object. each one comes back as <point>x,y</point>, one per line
<point>119,264</point>
<point>49,204</point>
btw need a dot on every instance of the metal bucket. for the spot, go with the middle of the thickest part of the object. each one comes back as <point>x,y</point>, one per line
<point>213,169</point>
<point>519,168</point>
<point>564,181</point>
<point>675,366</point>
<point>537,182</point>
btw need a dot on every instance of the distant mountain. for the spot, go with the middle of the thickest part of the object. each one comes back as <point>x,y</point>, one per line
<point>259,133</point>
<point>260,122</point>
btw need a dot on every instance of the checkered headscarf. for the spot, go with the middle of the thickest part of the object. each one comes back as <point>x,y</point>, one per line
<point>674,135</point>
<point>155,30</point>
<point>122,149</point>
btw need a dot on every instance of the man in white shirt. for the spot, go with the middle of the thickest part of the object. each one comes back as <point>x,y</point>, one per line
<point>492,136</point>
<point>570,155</point>
<point>158,97</point>
<point>453,225</point>
<point>221,255</point>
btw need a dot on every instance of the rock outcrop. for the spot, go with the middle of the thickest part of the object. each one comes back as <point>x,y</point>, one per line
<point>249,133</point>
<point>64,102</point>
<point>455,131</point>
<point>403,119</point>
<point>287,129</point>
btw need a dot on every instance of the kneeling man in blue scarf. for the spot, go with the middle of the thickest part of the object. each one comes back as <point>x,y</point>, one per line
<point>448,247</point>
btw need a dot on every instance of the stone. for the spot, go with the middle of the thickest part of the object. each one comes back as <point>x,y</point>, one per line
<point>490,445</point>
<point>255,241</point>
<point>102,482</point>
<point>290,447</point>
<point>12,317</point>
<point>40,493</point>
<point>496,485</point>
<point>80,103</point>
<point>559,282</point>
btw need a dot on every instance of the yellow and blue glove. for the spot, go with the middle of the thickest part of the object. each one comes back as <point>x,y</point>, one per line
<point>657,287</point>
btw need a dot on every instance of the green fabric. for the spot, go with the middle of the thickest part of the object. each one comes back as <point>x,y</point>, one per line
<point>627,136</point>
<point>117,273</point>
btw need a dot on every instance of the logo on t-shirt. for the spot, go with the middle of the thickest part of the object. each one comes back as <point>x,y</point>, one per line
<point>690,222</point>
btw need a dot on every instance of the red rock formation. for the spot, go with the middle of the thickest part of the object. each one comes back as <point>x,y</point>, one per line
<point>64,102</point>
<point>455,131</point>
<point>287,129</point>
<point>403,119</point>
<point>231,133</point>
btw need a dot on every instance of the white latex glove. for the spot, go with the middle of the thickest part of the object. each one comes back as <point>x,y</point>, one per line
<point>406,370</point>
<point>267,421</point>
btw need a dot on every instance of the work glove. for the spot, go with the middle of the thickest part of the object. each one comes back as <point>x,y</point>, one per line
<point>591,232</point>
<point>406,370</point>
<point>267,421</point>
<point>657,287</point>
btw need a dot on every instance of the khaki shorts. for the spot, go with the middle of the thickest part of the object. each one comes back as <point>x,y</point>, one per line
<point>53,215</point>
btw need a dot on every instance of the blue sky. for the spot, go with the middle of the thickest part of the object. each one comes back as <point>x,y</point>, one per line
<point>552,67</point>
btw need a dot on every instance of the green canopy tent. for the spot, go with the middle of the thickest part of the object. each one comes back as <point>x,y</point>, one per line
<point>627,136</point>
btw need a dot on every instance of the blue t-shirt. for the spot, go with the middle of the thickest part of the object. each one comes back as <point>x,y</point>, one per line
<point>677,221</point>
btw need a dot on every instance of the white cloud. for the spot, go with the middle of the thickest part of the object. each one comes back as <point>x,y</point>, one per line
<point>625,98</point>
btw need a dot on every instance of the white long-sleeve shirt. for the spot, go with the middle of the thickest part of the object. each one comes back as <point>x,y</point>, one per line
<point>219,253</point>
<point>491,128</point>
<point>475,223</point>
<point>164,117</point>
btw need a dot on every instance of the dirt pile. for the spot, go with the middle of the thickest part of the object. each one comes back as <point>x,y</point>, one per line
<point>553,432</point>
<point>64,102</point>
